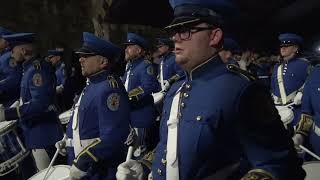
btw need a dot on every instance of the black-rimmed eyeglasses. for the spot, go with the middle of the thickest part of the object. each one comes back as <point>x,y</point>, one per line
<point>185,33</point>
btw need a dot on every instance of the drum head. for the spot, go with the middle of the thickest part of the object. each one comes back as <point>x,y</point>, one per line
<point>312,169</point>
<point>5,126</point>
<point>59,172</point>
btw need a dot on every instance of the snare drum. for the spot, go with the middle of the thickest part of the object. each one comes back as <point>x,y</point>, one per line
<point>58,172</point>
<point>286,114</point>
<point>65,116</point>
<point>12,150</point>
<point>312,169</point>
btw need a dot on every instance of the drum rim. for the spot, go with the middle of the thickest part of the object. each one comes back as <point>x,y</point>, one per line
<point>311,162</point>
<point>44,170</point>
<point>9,127</point>
<point>15,160</point>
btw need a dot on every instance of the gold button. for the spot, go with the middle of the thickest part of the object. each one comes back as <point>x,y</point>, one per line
<point>163,161</point>
<point>199,118</point>
<point>165,151</point>
<point>185,95</point>
<point>159,172</point>
<point>180,115</point>
<point>188,86</point>
<point>182,105</point>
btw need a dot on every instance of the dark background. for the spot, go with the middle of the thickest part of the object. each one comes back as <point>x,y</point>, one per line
<point>258,24</point>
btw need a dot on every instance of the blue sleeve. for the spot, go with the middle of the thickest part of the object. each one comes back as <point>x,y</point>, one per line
<point>148,83</point>
<point>306,119</point>
<point>41,88</point>
<point>113,112</point>
<point>11,81</point>
<point>264,139</point>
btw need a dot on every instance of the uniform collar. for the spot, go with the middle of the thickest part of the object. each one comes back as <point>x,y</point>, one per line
<point>59,64</point>
<point>99,76</point>
<point>167,54</point>
<point>204,67</point>
<point>27,63</point>
<point>137,61</point>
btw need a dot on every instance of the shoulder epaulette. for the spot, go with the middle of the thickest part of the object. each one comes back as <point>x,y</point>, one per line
<point>148,159</point>
<point>36,64</point>
<point>235,69</point>
<point>112,82</point>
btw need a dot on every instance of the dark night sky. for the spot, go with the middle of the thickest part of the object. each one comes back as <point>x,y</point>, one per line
<point>258,24</point>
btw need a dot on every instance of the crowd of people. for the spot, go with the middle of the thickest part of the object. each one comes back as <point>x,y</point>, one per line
<point>198,107</point>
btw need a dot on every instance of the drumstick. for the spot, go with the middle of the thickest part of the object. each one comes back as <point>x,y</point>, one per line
<point>309,152</point>
<point>129,155</point>
<point>53,159</point>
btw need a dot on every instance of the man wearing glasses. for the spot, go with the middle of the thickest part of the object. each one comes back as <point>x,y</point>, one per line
<point>217,115</point>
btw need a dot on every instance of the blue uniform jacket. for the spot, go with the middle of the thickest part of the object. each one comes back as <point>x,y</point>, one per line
<point>11,74</point>
<point>223,117</point>
<point>103,113</point>
<point>295,72</point>
<point>310,106</point>
<point>37,115</point>
<point>142,82</point>
<point>4,56</point>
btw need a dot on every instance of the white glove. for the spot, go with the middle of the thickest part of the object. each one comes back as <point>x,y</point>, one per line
<point>2,116</point>
<point>59,89</point>
<point>15,104</point>
<point>297,98</point>
<point>166,85</point>
<point>61,146</point>
<point>158,97</point>
<point>298,139</point>
<point>76,173</point>
<point>129,170</point>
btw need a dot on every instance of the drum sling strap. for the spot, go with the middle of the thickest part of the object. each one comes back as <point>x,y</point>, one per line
<point>75,128</point>
<point>282,90</point>
<point>172,140</point>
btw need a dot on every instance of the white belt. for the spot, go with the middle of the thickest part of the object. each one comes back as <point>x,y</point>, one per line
<point>84,142</point>
<point>290,97</point>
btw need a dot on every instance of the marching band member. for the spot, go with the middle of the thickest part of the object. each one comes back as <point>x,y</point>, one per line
<point>211,120</point>
<point>99,125</point>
